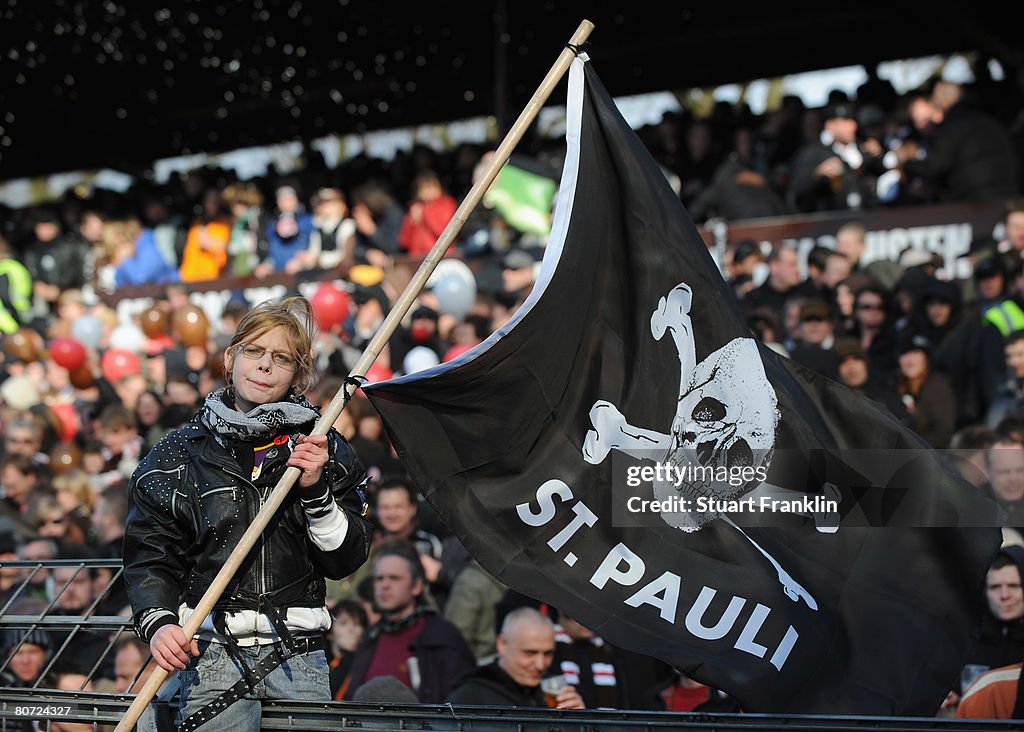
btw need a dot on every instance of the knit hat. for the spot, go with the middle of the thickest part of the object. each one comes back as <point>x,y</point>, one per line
<point>37,637</point>
<point>386,689</point>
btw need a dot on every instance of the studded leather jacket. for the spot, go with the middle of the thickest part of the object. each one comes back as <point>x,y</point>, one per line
<point>190,505</point>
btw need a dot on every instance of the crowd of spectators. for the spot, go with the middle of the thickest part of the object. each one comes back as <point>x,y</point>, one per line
<point>946,358</point>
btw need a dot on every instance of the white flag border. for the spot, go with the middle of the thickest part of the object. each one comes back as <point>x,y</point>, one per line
<point>556,241</point>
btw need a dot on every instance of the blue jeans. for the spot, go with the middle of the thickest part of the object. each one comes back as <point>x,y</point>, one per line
<point>303,677</point>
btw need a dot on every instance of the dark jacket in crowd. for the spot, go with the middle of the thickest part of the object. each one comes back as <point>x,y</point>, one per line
<point>491,686</point>
<point>823,360</point>
<point>60,262</point>
<point>999,643</point>
<point>608,676</point>
<point>934,412</point>
<point>737,192</point>
<point>971,158</point>
<point>880,391</point>
<point>810,192</point>
<point>441,654</point>
<point>766,296</point>
<point>945,290</point>
<point>1009,402</point>
<point>971,356</point>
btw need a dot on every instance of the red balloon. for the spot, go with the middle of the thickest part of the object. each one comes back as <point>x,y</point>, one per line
<point>378,373</point>
<point>69,420</point>
<point>330,305</point>
<point>118,363</point>
<point>67,352</point>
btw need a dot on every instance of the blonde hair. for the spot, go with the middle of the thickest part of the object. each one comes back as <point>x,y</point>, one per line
<point>43,510</point>
<point>295,315</point>
<point>244,193</point>
<point>118,232</point>
<point>76,483</point>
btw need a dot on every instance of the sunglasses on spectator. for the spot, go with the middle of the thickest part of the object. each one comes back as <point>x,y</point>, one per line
<point>870,306</point>
<point>282,359</point>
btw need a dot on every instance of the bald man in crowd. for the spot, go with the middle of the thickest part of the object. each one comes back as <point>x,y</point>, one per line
<point>526,649</point>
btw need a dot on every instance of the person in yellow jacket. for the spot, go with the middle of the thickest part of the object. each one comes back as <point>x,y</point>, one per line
<point>15,291</point>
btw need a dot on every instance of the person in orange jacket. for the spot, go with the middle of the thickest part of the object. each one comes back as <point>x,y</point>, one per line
<point>206,249</point>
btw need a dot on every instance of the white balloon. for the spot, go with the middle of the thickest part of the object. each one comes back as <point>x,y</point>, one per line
<point>451,267</point>
<point>455,296</point>
<point>128,336</point>
<point>419,358</point>
<point>88,330</point>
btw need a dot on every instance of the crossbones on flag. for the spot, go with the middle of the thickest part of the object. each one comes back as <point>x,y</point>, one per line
<point>624,450</point>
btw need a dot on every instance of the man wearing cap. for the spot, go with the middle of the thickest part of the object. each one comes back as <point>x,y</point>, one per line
<point>829,174</point>
<point>997,306</point>
<point>518,272</point>
<point>815,350</point>
<point>28,655</point>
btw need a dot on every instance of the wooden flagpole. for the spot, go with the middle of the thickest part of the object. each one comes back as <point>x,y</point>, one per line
<point>205,605</point>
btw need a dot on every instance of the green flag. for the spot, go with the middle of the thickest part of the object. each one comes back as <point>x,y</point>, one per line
<point>523,199</point>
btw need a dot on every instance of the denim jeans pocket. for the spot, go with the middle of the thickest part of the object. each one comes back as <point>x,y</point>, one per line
<point>315,662</point>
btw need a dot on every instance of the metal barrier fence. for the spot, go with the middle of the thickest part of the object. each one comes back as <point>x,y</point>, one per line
<point>37,602</point>
<point>102,711</point>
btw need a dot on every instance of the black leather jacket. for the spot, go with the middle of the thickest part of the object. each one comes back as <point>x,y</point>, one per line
<point>190,505</point>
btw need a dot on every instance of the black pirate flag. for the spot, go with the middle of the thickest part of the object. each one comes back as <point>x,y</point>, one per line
<point>624,450</point>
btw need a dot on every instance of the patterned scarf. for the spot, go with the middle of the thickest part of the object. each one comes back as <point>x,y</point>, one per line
<point>266,420</point>
<point>393,626</point>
